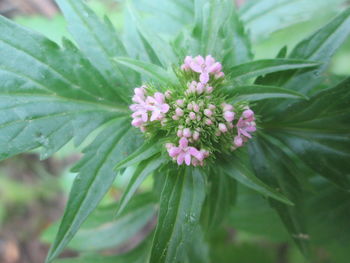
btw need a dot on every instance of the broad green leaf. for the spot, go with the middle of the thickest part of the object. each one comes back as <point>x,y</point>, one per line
<point>95,177</point>
<point>262,67</point>
<point>144,169</point>
<point>282,176</point>
<point>167,17</point>
<point>210,17</point>
<point>137,255</point>
<point>156,73</point>
<point>236,43</point>
<point>318,132</point>
<point>320,46</point>
<point>198,251</point>
<point>42,67</point>
<point>144,152</point>
<point>98,40</point>
<point>25,126</point>
<point>260,92</point>
<point>267,16</point>
<point>157,49</point>
<point>253,214</point>
<point>220,199</point>
<point>238,167</point>
<point>102,230</point>
<point>61,80</point>
<point>218,31</point>
<point>180,208</point>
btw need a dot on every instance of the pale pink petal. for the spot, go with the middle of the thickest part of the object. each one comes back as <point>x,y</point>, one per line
<point>209,61</point>
<point>238,141</point>
<point>183,142</point>
<point>188,159</point>
<point>164,108</point>
<point>204,77</point>
<point>196,67</point>
<point>180,158</point>
<point>155,115</point>
<point>199,60</point>
<point>174,151</point>
<point>215,68</point>
<point>159,97</point>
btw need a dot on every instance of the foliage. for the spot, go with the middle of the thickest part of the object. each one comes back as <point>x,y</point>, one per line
<point>296,166</point>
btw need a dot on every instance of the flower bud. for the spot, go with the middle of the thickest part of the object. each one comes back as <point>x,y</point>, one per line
<point>187,133</point>
<point>208,113</point>
<point>192,115</point>
<point>179,112</point>
<point>222,127</point>
<point>229,116</point>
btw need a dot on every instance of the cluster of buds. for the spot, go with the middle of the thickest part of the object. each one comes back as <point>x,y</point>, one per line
<point>147,108</point>
<point>204,66</point>
<point>198,122</point>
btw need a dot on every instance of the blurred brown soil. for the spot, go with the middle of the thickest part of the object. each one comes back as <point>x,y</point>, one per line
<point>24,221</point>
<point>10,8</point>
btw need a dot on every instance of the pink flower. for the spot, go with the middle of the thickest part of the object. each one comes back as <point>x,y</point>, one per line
<point>157,106</point>
<point>208,113</point>
<point>245,126</point>
<point>203,66</point>
<point>184,152</point>
<point>229,116</point>
<point>222,127</point>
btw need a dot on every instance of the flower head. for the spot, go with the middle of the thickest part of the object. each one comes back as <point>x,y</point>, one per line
<point>195,120</point>
<point>203,66</point>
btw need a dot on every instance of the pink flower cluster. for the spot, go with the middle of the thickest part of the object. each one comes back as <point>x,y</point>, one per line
<point>198,88</point>
<point>203,66</point>
<point>147,108</point>
<point>245,126</point>
<point>188,154</point>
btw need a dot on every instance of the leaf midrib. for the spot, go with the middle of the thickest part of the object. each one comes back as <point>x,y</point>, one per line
<point>110,150</point>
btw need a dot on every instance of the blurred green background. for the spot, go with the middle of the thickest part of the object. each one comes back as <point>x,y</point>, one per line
<point>33,192</point>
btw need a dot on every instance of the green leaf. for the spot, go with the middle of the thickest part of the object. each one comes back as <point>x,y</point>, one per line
<point>260,92</point>
<point>99,41</point>
<point>95,177</point>
<point>318,132</point>
<point>267,16</point>
<point>144,152</point>
<point>238,168</point>
<point>261,67</point>
<point>25,126</point>
<point>282,175</point>
<point>320,46</point>
<point>180,207</point>
<point>61,80</point>
<point>155,72</point>
<point>219,32</point>
<point>137,255</point>
<point>42,67</point>
<point>102,230</point>
<point>220,199</point>
<point>144,169</point>
<point>253,214</point>
<point>236,43</point>
<point>157,49</point>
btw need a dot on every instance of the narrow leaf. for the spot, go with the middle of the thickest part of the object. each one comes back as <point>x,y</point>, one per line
<point>240,170</point>
<point>95,177</point>
<point>155,72</point>
<point>180,207</point>
<point>259,92</point>
<point>98,40</point>
<point>265,66</point>
<point>146,151</point>
<point>144,169</point>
